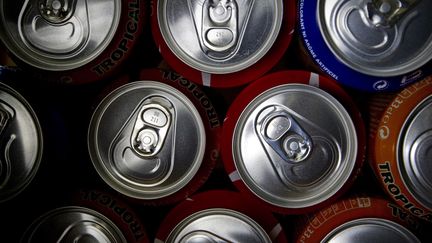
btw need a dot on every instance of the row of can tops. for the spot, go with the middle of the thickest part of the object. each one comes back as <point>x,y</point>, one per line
<point>293,140</point>
<point>204,217</point>
<point>366,45</point>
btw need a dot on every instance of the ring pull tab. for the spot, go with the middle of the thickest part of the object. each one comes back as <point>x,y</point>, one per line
<point>387,12</point>
<point>55,27</point>
<point>220,28</point>
<point>202,236</point>
<point>150,129</point>
<point>6,114</point>
<point>284,134</point>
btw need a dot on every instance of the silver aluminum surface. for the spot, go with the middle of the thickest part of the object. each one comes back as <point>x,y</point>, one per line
<point>415,143</point>
<point>294,146</point>
<point>146,140</point>
<point>219,36</point>
<point>58,35</point>
<point>378,37</point>
<point>218,225</point>
<point>21,143</point>
<point>371,230</point>
<point>73,224</point>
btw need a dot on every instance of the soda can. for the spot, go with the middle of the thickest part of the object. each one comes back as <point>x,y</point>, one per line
<point>222,43</point>
<point>71,41</point>
<point>293,140</point>
<point>74,224</point>
<point>359,219</point>
<point>219,216</point>
<point>401,142</point>
<point>21,142</point>
<point>155,140</point>
<point>378,45</point>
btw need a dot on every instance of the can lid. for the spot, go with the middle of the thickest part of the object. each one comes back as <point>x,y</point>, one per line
<point>146,140</point>
<point>58,35</point>
<point>218,225</point>
<point>73,224</point>
<point>378,38</point>
<point>20,143</point>
<point>294,146</point>
<point>416,145</point>
<point>215,37</point>
<point>370,230</point>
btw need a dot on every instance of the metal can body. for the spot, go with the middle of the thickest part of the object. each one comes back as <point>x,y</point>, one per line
<point>291,144</point>
<point>368,45</point>
<point>359,219</point>
<point>74,41</point>
<point>152,140</point>
<point>401,145</point>
<point>219,215</point>
<point>21,143</point>
<point>222,43</point>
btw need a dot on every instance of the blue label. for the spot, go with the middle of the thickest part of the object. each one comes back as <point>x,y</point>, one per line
<point>324,58</point>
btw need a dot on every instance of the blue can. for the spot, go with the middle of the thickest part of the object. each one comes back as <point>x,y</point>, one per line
<point>370,45</point>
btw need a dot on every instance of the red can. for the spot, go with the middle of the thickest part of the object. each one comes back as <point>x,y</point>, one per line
<point>155,140</point>
<point>359,219</point>
<point>401,142</point>
<point>294,140</point>
<point>220,215</point>
<point>223,43</point>
<point>72,41</point>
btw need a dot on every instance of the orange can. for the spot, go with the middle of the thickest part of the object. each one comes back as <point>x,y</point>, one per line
<point>359,219</point>
<point>401,146</point>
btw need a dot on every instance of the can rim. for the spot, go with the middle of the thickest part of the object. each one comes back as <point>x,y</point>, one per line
<point>133,189</point>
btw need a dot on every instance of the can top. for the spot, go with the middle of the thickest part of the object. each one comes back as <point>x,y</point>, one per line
<point>20,143</point>
<point>378,38</point>
<point>415,142</point>
<point>220,36</point>
<point>370,230</point>
<point>218,225</point>
<point>73,224</point>
<point>58,35</point>
<point>146,140</point>
<point>294,146</point>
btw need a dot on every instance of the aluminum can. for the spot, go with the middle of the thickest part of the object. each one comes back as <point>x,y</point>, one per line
<point>71,41</point>
<point>219,216</point>
<point>73,224</point>
<point>293,140</point>
<point>359,219</point>
<point>155,140</point>
<point>223,43</point>
<point>21,142</point>
<point>378,45</point>
<point>401,142</point>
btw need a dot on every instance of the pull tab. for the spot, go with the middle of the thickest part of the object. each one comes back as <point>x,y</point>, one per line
<point>55,26</point>
<point>151,128</point>
<point>220,25</point>
<point>387,12</point>
<point>284,134</point>
<point>6,114</point>
<point>57,11</point>
<point>220,28</point>
<point>87,231</point>
<point>202,236</point>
